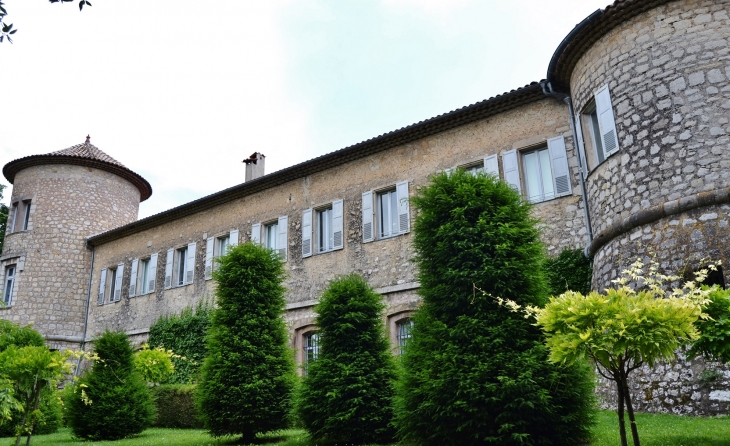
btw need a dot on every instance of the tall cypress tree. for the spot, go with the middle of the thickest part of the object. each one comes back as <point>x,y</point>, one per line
<point>248,376</point>
<point>474,371</point>
<point>347,395</point>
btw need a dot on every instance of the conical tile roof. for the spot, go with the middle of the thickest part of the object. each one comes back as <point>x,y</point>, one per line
<point>85,154</point>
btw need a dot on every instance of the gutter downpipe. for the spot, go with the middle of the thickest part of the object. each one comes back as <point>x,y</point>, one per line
<point>88,304</point>
<point>547,88</point>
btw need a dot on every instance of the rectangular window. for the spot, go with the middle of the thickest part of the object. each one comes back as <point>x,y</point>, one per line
<point>26,215</point>
<point>326,234</point>
<point>270,235</point>
<point>14,211</point>
<point>600,122</point>
<point>390,212</point>
<point>221,245</point>
<point>403,334</point>
<point>324,230</point>
<point>538,175</point>
<point>311,349</point>
<point>113,283</point>
<point>474,169</point>
<point>180,266</point>
<point>274,235</point>
<point>143,276</point>
<point>387,203</point>
<point>9,284</point>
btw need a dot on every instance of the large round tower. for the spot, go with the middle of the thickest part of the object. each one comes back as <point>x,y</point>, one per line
<point>650,88</point>
<point>58,200</point>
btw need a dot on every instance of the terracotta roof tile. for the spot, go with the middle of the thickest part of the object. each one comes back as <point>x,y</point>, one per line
<point>87,150</point>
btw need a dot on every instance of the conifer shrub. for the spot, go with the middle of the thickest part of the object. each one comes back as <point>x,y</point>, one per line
<point>185,335</point>
<point>569,271</point>
<point>475,372</point>
<point>247,378</point>
<point>347,395</point>
<point>112,401</point>
<point>175,404</point>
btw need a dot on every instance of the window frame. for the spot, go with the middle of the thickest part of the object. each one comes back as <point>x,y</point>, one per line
<point>179,266</point>
<point>270,229</point>
<point>307,347</point>
<point>542,196</point>
<point>8,296</point>
<point>590,113</point>
<point>26,215</point>
<point>319,222</point>
<point>400,338</point>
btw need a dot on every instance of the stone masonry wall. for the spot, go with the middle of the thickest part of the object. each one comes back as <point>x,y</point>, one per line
<point>68,204</point>
<point>385,263</point>
<point>667,70</point>
<point>682,387</point>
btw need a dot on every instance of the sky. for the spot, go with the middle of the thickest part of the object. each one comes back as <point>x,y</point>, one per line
<point>181,92</point>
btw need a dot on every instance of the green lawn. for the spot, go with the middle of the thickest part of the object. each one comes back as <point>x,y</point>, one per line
<point>654,430</point>
<point>665,430</point>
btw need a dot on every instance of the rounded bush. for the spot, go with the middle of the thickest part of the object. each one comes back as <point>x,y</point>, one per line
<point>347,395</point>
<point>112,401</point>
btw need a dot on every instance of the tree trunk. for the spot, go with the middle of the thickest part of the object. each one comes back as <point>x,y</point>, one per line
<point>28,400</point>
<point>630,408</point>
<point>35,407</point>
<point>620,410</point>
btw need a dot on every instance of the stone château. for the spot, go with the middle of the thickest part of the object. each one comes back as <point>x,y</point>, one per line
<point>623,149</point>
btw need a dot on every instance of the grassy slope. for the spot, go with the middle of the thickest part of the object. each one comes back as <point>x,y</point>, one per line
<point>654,430</point>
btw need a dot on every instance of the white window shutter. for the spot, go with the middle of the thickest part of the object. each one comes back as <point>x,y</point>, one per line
<point>281,242</point>
<point>190,264</point>
<point>511,169</point>
<point>153,273</point>
<point>368,231</point>
<point>256,233</point>
<point>118,282</point>
<point>168,269</point>
<point>209,257</point>
<point>133,278</point>
<point>306,233</point>
<point>404,207</point>
<point>581,145</point>
<point>337,224</point>
<point>491,165</point>
<point>606,121</point>
<point>449,171</point>
<point>233,239</point>
<point>559,161</point>
<point>102,286</point>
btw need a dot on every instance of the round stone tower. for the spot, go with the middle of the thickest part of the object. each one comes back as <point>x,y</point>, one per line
<point>58,200</point>
<point>649,83</point>
<point>650,88</point>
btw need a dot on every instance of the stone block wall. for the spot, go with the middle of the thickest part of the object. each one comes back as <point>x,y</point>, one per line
<point>386,263</point>
<point>667,70</point>
<point>680,387</point>
<point>68,203</point>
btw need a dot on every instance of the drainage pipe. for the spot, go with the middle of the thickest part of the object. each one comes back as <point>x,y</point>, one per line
<point>547,88</point>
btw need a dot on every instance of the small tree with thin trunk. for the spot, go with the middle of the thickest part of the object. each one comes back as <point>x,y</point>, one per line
<point>347,395</point>
<point>623,328</point>
<point>248,376</point>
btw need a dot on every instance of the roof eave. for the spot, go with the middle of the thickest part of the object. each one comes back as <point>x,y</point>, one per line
<point>480,110</point>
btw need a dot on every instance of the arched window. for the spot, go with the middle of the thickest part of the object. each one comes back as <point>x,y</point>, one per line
<point>311,349</point>
<point>403,333</point>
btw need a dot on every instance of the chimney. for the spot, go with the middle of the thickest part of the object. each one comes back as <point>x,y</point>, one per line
<point>254,166</point>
